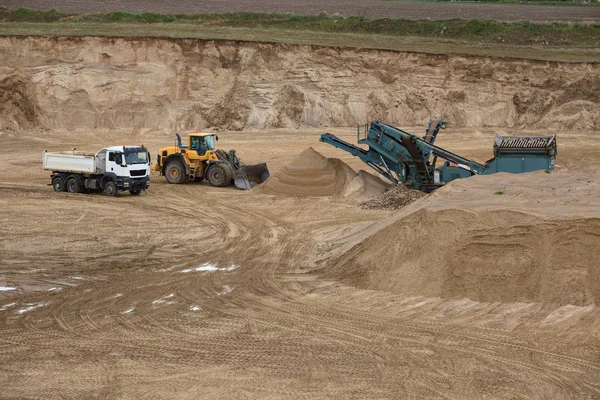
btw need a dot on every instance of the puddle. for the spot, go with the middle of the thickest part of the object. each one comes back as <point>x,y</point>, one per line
<point>7,306</point>
<point>31,271</point>
<point>204,267</point>
<point>6,288</point>
<point>129,310</point>
<point>195,308</point>
<point>30,307</point>
<point>164,299</point>
<point>210,268</point>
<point>226,289</point>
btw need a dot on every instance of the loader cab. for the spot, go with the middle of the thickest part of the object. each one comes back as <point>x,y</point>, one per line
<point>202,142</point>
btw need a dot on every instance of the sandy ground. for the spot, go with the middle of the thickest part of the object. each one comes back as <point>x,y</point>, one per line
<point>376,9</point>
<point>119,297</point>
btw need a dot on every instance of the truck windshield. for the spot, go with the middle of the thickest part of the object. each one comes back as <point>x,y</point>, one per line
<point>136,156</point>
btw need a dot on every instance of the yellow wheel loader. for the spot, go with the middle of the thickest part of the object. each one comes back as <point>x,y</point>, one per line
<point>199,160</point>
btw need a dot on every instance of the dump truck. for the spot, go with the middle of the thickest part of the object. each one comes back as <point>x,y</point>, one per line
<point>405,158</point>
<point>111,170</point>
<point>199,160</point>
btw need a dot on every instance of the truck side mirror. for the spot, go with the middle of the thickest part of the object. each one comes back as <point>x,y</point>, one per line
<point>216,137</point>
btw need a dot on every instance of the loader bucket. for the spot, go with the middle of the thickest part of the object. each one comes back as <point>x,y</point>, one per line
<point>248,176</point>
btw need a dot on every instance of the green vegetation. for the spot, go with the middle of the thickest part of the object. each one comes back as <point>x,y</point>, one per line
<point>499,192</point>
<point>516,33</point>
<point>117,16</point>
<point>480,30</point>
<point>552,42</point>
<point>28,15</point>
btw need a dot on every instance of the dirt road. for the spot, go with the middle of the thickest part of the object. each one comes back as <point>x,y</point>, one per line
<point>374,9</point>
<point>190,291</point>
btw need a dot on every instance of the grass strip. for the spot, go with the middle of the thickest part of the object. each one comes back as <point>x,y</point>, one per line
<point>552,42</point>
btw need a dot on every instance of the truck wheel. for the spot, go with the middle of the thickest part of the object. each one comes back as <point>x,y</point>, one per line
<point>58,184</point>
<point>219,175</point>
<point>135,192</point>
<point>73,185</point>
<point>175,172</point>
<point>110,189</point>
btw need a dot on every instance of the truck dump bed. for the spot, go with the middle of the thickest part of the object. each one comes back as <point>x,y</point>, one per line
<point>69,162</point>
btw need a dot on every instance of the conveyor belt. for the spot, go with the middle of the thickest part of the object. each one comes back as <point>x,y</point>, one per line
<point>329,138</point>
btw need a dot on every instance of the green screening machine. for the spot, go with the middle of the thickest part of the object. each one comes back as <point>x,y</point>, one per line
<point>419,164</point>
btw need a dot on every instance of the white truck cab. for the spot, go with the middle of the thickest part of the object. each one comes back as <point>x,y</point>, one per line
<point>112,170</point>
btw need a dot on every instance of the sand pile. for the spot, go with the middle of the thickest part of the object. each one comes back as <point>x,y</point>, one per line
<point>311,174</point>
<point>364,186</point>
<point>397,197</point>
<point>520,246</point>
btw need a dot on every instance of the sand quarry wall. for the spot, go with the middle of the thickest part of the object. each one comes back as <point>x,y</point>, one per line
<point>165,84</point>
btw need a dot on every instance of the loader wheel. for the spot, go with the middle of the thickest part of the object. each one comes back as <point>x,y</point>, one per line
<point>58,184</point>
<point>73,185</point>
<point>110,189</point>
<point>175,172</point>
<point>219,175</point>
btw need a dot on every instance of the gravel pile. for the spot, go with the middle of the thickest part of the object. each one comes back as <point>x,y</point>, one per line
<point>395,198</point>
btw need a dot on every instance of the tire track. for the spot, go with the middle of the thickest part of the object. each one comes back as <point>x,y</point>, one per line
<point>276,333</point>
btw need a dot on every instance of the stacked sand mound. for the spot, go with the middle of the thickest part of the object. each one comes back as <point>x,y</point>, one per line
<point>536,240</point>
<point>311,174</point>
